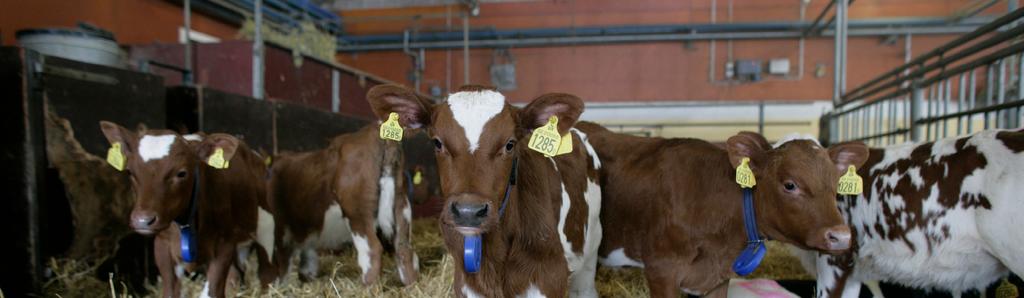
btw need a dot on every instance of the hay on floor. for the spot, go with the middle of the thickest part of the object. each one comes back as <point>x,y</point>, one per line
<point>340,276</point>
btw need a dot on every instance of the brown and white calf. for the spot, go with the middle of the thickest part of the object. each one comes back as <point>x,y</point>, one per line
<point>672,206</point>
<point>169,174</point>
<point>547,236</point>
<point>347,192</point>
<point>940,215</point>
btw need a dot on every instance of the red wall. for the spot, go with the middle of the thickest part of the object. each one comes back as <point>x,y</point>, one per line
<point>652,71</point>
<point>131,21</point>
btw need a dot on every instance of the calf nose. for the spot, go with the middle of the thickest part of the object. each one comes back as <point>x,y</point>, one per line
<point>143,220</point>
<point>837,238</point>
<point>469,214</point>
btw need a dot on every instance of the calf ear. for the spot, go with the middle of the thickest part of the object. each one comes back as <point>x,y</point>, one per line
<point>413,110</point>
<point>566,107</point>
<point>747,144</point>
<point>212,142</point>
<point>848,154</point>
<point>118,134</point>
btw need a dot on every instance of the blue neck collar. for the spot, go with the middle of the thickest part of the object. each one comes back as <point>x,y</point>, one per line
<point>187,220</point>
<point>472,246</point>
<point>752,255</point>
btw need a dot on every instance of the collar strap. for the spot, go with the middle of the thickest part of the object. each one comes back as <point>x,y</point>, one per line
<point>185,222</point>
<point>511,182</point>
<point>472,246</point>
<point>752,255</point>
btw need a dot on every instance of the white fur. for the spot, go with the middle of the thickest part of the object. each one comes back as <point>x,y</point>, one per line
<point>618,258</point>
<point>982,246</point>
<point>362,253</point>
<point>590,149</point>
<point>532,292</point>
<point>415,262</point>
<point>472,110</point>
<point>336,230</point>
<point>796,136</point>
<point>575,261</point>
<point>206,291</point>
<point>155,147</point>
<point>179,270</point>
<point>469,293</point>
<point>265,231</point>
<point>192,137</point>
<point>386,207</point>
<point>407,212</point>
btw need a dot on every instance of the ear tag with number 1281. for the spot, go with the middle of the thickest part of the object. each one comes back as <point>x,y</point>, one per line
<point>545,139</point>
<point>850,183</point>
<point>114,156</point>
<point>744,176</point>
<point>390,129</point>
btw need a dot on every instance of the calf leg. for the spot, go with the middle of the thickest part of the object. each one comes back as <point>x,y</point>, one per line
<point>405,255</point>
<point>582,282</point>
<point>217,272</point>
<point>836,280</point>
<point>268,270</point>
<point>309,264</point>
<point>165,264</point>
<point>662,282</point>
<point>368,248</point>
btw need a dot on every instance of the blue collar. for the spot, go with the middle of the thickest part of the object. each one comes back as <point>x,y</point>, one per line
<point>186,222</point>
<point>755,251</point>
<point>472,246</point>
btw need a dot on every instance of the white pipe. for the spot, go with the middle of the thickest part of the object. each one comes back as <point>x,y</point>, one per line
<point>257,51</point>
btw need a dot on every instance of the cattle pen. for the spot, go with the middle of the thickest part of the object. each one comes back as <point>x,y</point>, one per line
<point>512,148</point>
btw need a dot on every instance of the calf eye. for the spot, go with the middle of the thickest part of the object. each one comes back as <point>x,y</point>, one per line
<point>437,144</point>
<point>182,173</point>
<point>790,186</point>
<point>510,145</point>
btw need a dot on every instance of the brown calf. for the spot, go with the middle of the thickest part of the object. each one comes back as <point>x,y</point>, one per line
<point>673,208</point>
<point>536,217</point>
<point>225,208</point>
<point>346,192</point>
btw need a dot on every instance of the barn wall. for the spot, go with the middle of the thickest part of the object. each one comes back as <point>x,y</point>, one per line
<point>132,21</point>
<point>670,71</point>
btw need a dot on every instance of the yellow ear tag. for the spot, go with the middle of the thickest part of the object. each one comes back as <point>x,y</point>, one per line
<point>744,176</point>
<point>391,130</point>
<point>418,178</point>
<point>114,156</point>
<point>267,161</point>
<point>565,145</point>
<point>545,139</point>
<point>217,160</point>
<point>850,183</point>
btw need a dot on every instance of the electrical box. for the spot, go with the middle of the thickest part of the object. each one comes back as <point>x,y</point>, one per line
<point>748,70</point>
<point>778,66</point>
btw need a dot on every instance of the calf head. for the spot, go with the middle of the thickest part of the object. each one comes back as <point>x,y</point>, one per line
<point>476,137</point>
<point>795,196</point>
<point>163,165</point>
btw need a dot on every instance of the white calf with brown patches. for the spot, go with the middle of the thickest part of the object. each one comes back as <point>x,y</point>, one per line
<point>539,230</point>
<point>937,216</point>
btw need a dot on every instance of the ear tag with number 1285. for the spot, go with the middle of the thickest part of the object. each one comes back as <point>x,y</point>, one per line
<point>114,156</point>
<point>744,176</point>
<point>545,139</point>
<point>850,183</point>
<point>390,129</point>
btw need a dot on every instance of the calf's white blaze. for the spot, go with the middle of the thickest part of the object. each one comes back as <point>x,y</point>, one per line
<point>155,147</point>
<point>472,110</point>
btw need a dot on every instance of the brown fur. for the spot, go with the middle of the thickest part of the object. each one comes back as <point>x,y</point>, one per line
<point>673,204</point>
<point>227,202</point>
<point>521,247</point>
<point>347,172</point>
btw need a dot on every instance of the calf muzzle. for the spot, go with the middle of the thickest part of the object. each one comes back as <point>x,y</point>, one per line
<point>469,215</point>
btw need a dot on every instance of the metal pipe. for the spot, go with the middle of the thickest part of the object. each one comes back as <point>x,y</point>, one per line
<point>972,100</point>
<point>335,91</point>
<point>257,51</point>
<point>843,19</point>
<point>760,118</point>
<point>1001,121</point>
<point>915,110</point>
<point>837,64</point>
<point>817,19</point>
<point>187,11</point>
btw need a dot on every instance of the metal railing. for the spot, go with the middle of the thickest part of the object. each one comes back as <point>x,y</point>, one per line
<point>969,84</point>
